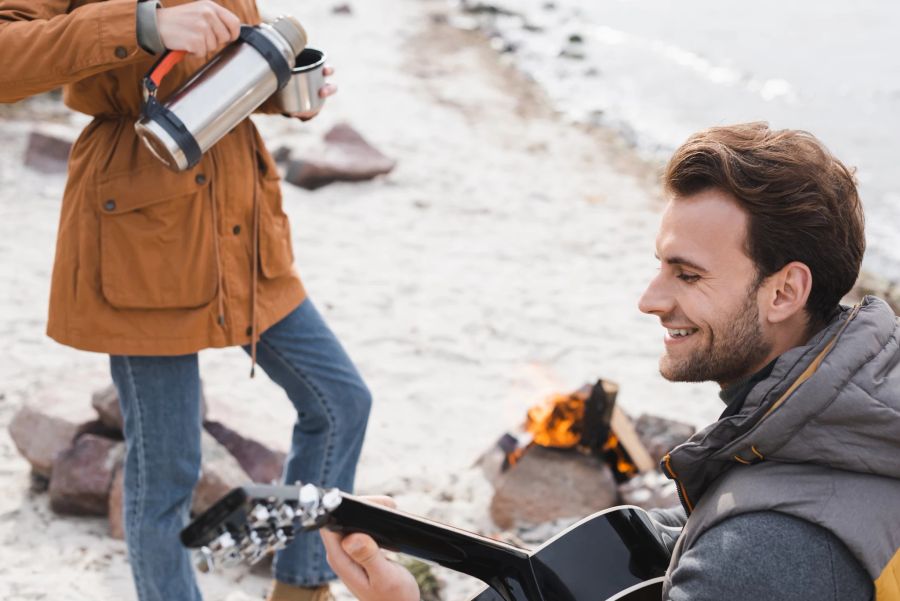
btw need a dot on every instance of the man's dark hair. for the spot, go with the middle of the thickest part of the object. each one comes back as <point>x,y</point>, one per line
<point>801,201</point>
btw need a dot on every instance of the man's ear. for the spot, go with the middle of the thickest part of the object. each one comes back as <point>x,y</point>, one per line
<point>786,292</point>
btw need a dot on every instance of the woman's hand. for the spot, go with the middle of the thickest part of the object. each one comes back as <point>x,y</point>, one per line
<point>324,92</point>
<point>369,575</point>
<point>199,28</point>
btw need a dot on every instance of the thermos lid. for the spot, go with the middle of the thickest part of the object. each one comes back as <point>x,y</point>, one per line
<point>292,32</point>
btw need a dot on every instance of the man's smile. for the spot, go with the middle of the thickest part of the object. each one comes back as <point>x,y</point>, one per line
<point>675,335</point>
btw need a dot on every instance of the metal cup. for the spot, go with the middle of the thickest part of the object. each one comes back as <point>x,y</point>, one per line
<point>301,94</point>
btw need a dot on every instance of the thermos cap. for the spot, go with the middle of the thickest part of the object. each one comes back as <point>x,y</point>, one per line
<point>292,32</point>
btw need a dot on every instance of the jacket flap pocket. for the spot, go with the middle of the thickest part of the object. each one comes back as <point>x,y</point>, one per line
<point>135,190</point>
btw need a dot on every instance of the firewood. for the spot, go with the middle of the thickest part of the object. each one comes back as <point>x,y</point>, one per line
<point>622,426</point>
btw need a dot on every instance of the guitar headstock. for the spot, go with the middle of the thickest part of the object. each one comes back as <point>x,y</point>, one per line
<point>252,521</point>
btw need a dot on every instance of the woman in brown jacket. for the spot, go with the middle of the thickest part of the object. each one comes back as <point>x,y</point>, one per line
<point>152,266</point>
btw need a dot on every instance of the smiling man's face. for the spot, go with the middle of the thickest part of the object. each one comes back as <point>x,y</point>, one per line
<point>706,292</point>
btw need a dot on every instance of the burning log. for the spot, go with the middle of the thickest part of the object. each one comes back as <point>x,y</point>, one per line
<point>630,442</point>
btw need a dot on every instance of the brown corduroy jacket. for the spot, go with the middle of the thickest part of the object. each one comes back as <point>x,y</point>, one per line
<point>148,261</point>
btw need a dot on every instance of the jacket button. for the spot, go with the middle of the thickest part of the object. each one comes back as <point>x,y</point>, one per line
<point>121,52</point>
<point>249,330</point>
<point>236,229</point>
<point>200,179</point>
<point>110,205</point>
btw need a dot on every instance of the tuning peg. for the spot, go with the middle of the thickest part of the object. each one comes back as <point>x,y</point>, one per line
<point>204,560</point>
<point>259,516</point>
<point>331,499</point>
<point>309,496</point>
<point>222,543</point>
<point>284,515</point>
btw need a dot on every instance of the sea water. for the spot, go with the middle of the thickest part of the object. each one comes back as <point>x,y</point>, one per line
<point>658,70</point>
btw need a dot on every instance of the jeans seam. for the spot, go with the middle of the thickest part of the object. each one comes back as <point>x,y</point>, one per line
<point>326,463</point>
<point>137,502</point>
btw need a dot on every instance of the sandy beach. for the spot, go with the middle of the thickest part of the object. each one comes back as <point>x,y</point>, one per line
<point>500,262</point>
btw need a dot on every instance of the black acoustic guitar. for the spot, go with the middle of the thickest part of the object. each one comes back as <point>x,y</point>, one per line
<point>612,555</point>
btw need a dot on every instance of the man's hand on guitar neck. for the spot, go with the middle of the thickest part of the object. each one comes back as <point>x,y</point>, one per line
<point>362,566</point>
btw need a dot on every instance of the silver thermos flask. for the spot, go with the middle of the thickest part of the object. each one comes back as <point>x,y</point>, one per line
<point>220,95</point>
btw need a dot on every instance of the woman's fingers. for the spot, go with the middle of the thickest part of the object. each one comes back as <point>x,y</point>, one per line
<point>199,28</point>
<point>329,89</point>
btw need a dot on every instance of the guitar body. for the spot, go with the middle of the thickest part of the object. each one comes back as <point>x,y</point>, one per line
<point>647,591</point>
<point>611,555</point>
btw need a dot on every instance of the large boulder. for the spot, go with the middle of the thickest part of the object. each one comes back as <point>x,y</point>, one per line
<point>106,402</point>
<point>346,157</point>
<point>83,475</point>
<point>116,513</point>
<point>548,484</point>
<point>219,474</point>
<point>661,435</point>
<point>48,148</point>
<point>40,437</point>
<point>260,462</point>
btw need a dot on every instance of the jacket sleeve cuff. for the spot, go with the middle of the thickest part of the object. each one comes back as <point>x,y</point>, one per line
<point>148,36</point>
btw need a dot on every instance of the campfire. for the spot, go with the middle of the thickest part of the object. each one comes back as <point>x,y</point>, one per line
<point>585,421</point>
<point>576,454</point>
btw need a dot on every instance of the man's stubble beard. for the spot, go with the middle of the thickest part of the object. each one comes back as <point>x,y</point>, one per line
<point>729,354</point>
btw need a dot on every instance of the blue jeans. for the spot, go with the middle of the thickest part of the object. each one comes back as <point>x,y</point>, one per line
<point>160,399</point>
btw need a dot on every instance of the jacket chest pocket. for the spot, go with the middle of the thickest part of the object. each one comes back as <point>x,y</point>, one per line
<point>157,247</point>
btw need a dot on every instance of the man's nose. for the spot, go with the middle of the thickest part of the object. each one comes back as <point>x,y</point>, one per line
<point>657,298</point>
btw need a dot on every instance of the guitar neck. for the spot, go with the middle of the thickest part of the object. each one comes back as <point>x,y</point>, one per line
<point>506,568</point>
<point>266,514</point>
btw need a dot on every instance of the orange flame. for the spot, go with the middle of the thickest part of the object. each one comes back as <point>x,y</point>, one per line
<point>557,421</point>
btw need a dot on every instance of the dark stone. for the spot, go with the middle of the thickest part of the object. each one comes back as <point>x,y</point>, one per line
<point>98,428</point>
<point>548,484</point>
<point>661,435</point>
<point>38,483</point>
<point>260,462</point>
<point>342,9</point>
<point>82,476</point>
<point>281,154</point>
<point>483,8</point>
<point>347,156</point>
<point>219,473</point>
<point>576,38</point>
<point>47,153</point>
<point>40,438</point>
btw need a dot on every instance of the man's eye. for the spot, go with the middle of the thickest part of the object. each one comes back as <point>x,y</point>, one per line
<point>688,277</point>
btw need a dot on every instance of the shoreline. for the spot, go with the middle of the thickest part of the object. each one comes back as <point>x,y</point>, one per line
<point>605,68</point>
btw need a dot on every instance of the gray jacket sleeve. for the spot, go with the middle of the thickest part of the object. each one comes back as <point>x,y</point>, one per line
<point>669,523</point>
<point>148,27</point>
<point>768,555</point>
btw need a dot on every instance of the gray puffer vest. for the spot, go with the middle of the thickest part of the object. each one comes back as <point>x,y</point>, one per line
<point>819,439</point>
